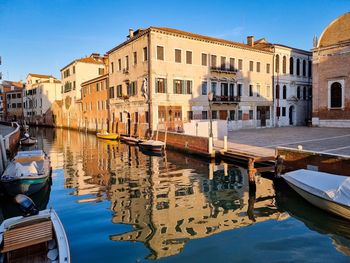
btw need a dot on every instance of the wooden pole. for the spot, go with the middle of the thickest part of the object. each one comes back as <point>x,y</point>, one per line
<point>251,170</point>
<point>165,136</point>
<point>157,132</point>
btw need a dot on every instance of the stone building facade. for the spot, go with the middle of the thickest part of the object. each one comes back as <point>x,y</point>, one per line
<point>331,71</point>
<point>169,73</point>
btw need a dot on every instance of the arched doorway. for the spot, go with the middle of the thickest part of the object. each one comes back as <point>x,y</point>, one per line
<point>291,115</point>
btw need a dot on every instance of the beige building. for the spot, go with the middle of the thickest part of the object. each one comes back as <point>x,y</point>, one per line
<point>72,76</point>
<point>170,73</point>
<point>331,71</point>
<point>41,92</point>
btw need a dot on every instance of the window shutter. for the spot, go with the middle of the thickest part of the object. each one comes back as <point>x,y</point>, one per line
<point>165,87</point>
<point>191,87</point>
<point>183,87</point>
<point>174,86</point>
<point>155,86</point>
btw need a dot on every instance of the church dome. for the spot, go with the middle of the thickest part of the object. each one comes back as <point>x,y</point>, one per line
<point>336,32</point>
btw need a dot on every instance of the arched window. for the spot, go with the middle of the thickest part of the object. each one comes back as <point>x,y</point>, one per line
<point>284,94</point>
<point>291,66</point>
<point>304,67</point>
<point>310,68</point>
<point>298,67</point>
<point>310,93</point>
<point>304,93</point>
<point>277,91</point>
<point>284,66</point>
<point>336,95</point>
<point>277,63</point>
<point>298,92</point>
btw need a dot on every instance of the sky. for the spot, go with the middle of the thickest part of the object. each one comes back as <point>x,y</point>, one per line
<point>42,36</point>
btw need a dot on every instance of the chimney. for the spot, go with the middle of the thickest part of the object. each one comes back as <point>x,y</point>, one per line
<point>131,32</point>
<point>250,41</point>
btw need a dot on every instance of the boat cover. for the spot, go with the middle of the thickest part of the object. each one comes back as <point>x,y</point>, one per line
<point>325,185</point>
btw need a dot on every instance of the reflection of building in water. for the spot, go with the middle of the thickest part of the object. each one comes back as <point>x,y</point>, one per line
<point>175,205</point>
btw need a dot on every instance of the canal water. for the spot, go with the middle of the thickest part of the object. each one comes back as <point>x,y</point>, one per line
<point>118,204</point>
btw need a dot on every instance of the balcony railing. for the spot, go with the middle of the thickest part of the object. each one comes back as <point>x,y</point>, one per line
<point>226,99</point>
<point>223,70</point>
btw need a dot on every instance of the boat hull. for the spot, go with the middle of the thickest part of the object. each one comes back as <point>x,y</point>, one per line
<point>110,136</point>
<point>327,205</point>
<point>24,186</point>
<point>151,148</point>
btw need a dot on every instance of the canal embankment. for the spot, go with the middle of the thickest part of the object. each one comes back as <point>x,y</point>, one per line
<point>9,136</point>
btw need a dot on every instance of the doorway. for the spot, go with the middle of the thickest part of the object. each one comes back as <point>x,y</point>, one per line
<point>291,113</point>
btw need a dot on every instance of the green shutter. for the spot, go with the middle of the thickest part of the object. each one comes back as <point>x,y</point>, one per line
<point>155,86</point>
<point>165,87</point>
<point>174,86</point>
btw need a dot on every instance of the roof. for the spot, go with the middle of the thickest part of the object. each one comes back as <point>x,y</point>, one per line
<point>262,43</point>
<point>336,32</point>
<point>90,59</point>
<point>9,83</point>
<point>105,76</point>
<point>188,35</point>
<point>40,76</point>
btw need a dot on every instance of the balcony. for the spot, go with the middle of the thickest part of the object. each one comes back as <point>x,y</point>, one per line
<point>218,99</point>
<point>223,70</point>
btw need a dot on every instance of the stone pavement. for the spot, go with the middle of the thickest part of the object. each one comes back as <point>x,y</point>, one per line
<point>329,140</point>
<point>4,130</point>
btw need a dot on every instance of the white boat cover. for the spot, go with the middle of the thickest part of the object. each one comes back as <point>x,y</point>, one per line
<point>328,186</point>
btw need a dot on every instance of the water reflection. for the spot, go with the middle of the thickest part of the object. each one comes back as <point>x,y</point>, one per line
<point>314,218</point>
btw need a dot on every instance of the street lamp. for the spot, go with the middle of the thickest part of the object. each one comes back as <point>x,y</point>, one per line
<point>210,99</point>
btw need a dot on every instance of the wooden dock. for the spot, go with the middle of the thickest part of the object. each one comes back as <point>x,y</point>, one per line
<point>258,159</point>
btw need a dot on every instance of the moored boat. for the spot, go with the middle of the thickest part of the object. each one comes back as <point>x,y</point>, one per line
<point>130,140</point>
<point>36,237</point>
<point>152,145</point>
<point>107,135</point>
<point>27,173</point>
<point>27,140</point>
<point>329,192</point>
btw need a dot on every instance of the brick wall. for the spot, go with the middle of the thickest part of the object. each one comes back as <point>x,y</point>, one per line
<point>186,143</point>
<point>295,159</point>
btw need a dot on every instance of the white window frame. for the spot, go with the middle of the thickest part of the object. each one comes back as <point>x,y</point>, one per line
<point>342,83</point>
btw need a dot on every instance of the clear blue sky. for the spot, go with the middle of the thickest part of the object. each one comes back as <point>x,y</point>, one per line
<point>42,36</point>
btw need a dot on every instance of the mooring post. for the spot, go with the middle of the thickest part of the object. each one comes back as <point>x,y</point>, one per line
<point>225,143</point>
<point>251,170</point>
<point>210,141</point>
<point>211,171</point>
<point>165,136</point>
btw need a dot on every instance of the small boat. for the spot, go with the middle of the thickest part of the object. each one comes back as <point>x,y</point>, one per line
<point>152,145</point>
<point>27,173</point>
<point>108,136</point>
<point>329,192</point>
<point>27,140</point>
<point>130,140</point>
<point>35,237</point>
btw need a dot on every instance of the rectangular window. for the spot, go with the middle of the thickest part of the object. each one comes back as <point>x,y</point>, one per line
<point>240,64</point>
<point>278,111</point>
<point>19,95</point>
<point>111,92</point>
<point>112,67</point>
<point>13,105</point>
<point>160,53</point>
<point>257,66</point>
<point>101,71</point>
<point>119,91</point>
<point>251,114</point>
<point>204,115</point>
<point>74,85</point>
<point>232,63</point>
<point>268,68</point>
<point>204,88</point>
<point>160,85</point>
<point>178,86</point>
<point>135,57</point>
<point>204,59</point>
<point>240,114</point>
<point>145,54</point>
<point>251,66</point>
<point>132,89</point>
<point>178,55</point>
<point>188,57</point>
<point>268,91</point>
<point>251,91</point>
<point>258,90</point>
<point>232,115</point>
<point>127,62</point>
<point>223,63</point>
<point>120,64</point>
<point>73,69</point>
<point>239,90</point>
<point>213,87</point>
<point>188,86</point>
<point>283,111</point>
<point>213,61</point>
<point>214,114</point>
<point>232,89</point>
<point>19,105</point>
<point>97,87</point>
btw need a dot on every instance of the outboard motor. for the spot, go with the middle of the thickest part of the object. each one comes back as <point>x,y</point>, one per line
<point>26,205</point>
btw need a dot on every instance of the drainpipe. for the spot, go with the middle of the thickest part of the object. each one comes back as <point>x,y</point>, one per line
<point>150,119</point>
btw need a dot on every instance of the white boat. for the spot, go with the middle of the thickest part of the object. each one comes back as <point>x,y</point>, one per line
<point>152,145</point>
<point>27,173</point>
<point>329,192</point>
<point>39,237</point>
